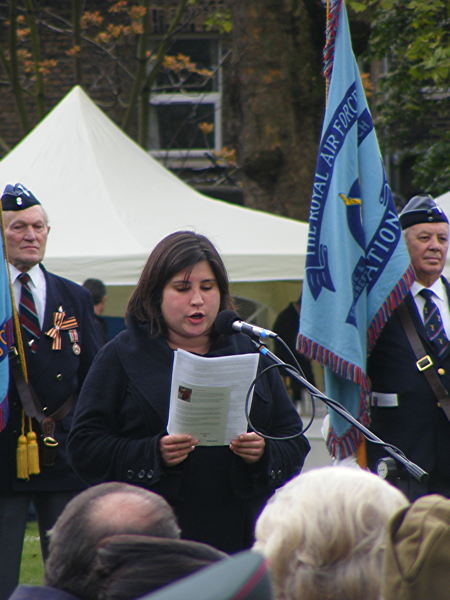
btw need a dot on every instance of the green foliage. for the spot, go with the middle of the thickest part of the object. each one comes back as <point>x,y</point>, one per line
<point>412,109</point>
<point>358,6</point>
<point>117,34</point>
<point>432,172</point>
<point>220,21</point>
<point>423,43</point>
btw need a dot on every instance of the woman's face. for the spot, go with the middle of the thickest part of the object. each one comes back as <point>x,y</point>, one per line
<point>190,303</point>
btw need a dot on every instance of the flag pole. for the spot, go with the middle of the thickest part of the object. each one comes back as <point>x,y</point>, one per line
<point>27,451</point>
<point>331,25</point>
<point>17,330</point>
<point>327,79</point>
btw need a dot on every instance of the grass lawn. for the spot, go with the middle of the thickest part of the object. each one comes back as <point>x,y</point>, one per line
<point>32,569</point>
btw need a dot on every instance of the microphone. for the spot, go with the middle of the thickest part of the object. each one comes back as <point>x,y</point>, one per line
<point>227,321</point>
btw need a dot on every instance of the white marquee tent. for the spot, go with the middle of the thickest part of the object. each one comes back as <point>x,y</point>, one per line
<point>109,203</point>
<point>444,203</point>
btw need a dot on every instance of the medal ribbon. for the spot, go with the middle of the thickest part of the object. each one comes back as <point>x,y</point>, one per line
<point>59,324</point>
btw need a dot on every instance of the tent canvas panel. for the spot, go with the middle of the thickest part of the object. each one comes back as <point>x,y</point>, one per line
<point>109,203</point>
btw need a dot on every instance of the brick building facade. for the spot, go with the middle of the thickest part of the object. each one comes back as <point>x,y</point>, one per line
<point>186,117</point>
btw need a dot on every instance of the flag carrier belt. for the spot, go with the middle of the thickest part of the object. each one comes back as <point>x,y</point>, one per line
<point>424,361</point>
<point>32,408</point>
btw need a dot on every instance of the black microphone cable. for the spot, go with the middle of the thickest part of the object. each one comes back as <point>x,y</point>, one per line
<point>247,411</point>
<point>224,325</point>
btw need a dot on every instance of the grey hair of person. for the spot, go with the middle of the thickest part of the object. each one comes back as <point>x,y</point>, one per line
<point>102,510</point>
<point>46,219</point>
<point>323,534</point>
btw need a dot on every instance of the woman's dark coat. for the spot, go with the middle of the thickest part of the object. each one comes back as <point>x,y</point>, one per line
<point>122,413</point>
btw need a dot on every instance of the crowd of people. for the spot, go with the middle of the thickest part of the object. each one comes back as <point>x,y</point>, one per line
<point>333,532</point>
<point>126,508</point>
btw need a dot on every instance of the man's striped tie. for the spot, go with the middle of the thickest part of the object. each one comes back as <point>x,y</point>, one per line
<point>27,311</point>
<point>433,323</point>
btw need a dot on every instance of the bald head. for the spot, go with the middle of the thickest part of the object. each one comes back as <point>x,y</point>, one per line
<point>98,512</point>
<point>132,510</point>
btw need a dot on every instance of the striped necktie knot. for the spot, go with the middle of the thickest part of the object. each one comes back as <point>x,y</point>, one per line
<point>434,326</point>
<point>24,278</point>
<point>425,292</point>
<point>27,311</point>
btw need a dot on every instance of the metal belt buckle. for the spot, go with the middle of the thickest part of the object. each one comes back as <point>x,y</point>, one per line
<point>424,363</point>
<point>50,441</point>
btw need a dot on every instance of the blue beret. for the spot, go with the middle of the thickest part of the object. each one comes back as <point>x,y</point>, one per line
<point>421,209</point>
<point>17,197</point>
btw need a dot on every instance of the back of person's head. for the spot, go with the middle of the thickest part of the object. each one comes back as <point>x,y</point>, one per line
<point>323,531</point>
<point>417,558</point>
<point>97,289</point>
<point>100,511</point>
<point>129,566</point>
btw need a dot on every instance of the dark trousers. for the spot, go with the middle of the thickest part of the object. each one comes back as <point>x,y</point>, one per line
<point>14,510</point>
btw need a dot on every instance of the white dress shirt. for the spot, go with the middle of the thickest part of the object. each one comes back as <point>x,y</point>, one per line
<point>37,285</point>
<point>440,298</point>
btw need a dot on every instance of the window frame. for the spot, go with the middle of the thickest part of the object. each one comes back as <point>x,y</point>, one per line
<point>194,98</point>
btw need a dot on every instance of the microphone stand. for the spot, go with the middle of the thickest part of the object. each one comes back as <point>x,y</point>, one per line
<point>411,468</point>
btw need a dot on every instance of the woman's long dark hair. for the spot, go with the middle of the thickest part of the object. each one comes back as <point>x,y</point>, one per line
<point>174,253</point>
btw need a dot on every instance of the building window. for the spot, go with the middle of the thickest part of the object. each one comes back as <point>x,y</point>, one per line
<point>185,115</point>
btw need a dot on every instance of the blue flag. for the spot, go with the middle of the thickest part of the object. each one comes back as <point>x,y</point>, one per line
<point>6,336</point>
<point>357,265</point>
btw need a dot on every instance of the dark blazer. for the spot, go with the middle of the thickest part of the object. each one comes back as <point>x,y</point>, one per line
<point>40,592</point>
<point>122,414</point>
<point>54,375</point>
<point>417,425</point>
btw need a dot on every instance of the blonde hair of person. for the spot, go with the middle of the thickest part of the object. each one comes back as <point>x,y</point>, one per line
<point>323,533</point>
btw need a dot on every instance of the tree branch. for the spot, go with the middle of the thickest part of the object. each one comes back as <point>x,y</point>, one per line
<point>14,68</point>
<point>76,25</point>
<point>36,54</point>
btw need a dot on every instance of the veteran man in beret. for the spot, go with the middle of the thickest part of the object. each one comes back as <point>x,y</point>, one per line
<point>59,343</point>
<point>409,367</point>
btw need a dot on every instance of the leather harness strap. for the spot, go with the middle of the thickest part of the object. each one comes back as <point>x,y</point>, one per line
<point>32,408</point>
<point>31,404</point>
<point>424,361</point>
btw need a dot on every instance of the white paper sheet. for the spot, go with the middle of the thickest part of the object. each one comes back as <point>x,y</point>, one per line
<point>207,398</point>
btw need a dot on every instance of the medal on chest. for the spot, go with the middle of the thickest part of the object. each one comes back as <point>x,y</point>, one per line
<point>62,323</point>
